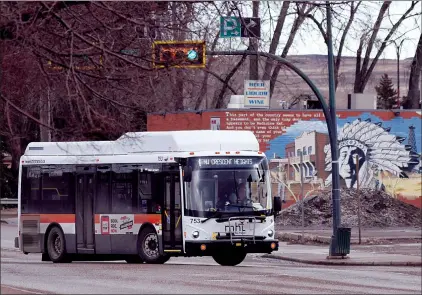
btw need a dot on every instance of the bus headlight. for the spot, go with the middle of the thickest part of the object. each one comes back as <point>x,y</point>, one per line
<point>195,234</point>
<point>270,233</point>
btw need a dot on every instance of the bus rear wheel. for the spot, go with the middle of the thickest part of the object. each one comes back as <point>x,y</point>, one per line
<point>56,246</point>
<point>229,258</point>
<point>148,247</point>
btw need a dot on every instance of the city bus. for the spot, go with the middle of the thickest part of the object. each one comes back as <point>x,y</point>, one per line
<point>147,196</point>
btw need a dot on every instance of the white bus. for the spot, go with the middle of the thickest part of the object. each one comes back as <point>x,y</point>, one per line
<point>147,196</point>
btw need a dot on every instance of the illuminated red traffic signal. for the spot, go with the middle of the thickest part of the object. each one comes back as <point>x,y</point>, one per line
<point>179,54</point>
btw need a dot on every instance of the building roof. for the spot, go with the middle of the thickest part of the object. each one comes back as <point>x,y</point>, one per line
<point>149,142</point>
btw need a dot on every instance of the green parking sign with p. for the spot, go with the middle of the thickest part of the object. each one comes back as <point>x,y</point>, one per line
<point>230,26</point>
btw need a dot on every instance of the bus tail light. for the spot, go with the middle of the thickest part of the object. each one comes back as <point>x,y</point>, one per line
<point>273,246</point>
<point>203,247</point>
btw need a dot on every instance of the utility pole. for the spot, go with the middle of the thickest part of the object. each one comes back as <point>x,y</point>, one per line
<point>253,44</point>
<point>45,114</point>
<point>335,187</point>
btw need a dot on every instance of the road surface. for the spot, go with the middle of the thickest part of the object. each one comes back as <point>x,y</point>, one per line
<point>197,276</point>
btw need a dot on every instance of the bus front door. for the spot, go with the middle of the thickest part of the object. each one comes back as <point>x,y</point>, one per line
<point>84,210</point>
<point>172,214</point>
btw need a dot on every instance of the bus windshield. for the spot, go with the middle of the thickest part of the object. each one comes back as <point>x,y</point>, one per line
<point>229,185</point>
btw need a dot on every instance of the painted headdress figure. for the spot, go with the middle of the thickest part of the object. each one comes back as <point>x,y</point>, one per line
<point>377,149</point>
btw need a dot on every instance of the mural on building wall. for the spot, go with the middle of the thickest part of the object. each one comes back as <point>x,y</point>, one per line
<point>389,153</point>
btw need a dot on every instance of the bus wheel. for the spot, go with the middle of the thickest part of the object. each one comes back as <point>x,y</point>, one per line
<point>134,259</point>
<point>229,258</point>
<point>148,247</point>
<point>56,246</point>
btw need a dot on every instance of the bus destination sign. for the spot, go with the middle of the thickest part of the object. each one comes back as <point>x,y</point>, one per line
<point>227,162</point>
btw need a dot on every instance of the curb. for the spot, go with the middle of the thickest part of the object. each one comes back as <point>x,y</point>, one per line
<point>337,262</point>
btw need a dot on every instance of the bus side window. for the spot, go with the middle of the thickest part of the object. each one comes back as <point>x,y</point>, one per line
<point>146,204</point>
<point>30,189</point>
<point>57,190</point>
<point>102,202</point>
<point>122,192</point>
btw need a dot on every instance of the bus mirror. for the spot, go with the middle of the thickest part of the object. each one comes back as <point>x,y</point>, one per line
<point>187,173</point>
<point>277,204</point>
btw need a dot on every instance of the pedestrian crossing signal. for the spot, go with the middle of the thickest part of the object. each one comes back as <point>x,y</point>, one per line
<point>178,54</point>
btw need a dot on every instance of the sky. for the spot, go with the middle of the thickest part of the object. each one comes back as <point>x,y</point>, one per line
<point>411,30</point>
<point>310,40</point>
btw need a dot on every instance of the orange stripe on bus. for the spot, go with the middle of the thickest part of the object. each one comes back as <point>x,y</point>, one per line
<point>152,218</point>
<point>97,218</point>
<point>59,218</point>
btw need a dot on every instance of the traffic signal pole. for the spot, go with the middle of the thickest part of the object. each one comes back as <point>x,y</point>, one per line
<point>330,117</point>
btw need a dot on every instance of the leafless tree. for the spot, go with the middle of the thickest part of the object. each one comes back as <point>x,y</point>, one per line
<point>365,65</point>
<point>342,26</point>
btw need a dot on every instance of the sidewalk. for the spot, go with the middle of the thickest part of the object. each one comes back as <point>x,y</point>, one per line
<point>311,254</point>
<point>368,235</point>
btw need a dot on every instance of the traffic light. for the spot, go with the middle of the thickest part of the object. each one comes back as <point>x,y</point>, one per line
<point>178,54</point>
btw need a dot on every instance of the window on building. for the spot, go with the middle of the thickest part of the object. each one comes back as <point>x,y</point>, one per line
<point>311,171</point>
<point>304,150</point>
<point>299,151</point>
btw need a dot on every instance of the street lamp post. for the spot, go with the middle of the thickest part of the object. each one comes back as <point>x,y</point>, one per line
<point>335,188</point>
<point>330,117</point>
<point>398,52</point>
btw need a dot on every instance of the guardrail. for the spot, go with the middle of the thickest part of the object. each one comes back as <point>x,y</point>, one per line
<point>6,201</point>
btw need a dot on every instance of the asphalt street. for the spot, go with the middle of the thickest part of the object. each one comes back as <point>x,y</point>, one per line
<point>198,276</point>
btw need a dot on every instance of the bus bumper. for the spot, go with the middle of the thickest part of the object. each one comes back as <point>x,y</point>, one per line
<point>208,248</point>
